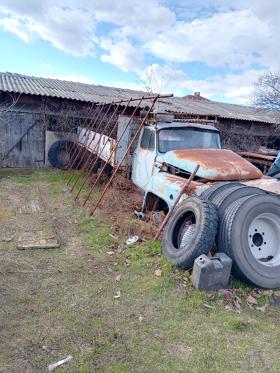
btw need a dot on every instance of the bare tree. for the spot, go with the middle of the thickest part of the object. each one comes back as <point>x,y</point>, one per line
<point>10,103</point>
<point>267,92</point>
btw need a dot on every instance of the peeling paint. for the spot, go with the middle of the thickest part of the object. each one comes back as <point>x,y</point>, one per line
<point>269,184</point>
<point>215,164</point>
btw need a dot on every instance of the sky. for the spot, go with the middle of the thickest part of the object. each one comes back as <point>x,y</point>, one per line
<point>216,47</point>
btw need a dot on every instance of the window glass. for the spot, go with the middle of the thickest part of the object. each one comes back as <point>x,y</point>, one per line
<point>148,139</point>
<point>187,138</point>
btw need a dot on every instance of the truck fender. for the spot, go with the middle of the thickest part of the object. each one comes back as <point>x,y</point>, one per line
<point>164,186</point>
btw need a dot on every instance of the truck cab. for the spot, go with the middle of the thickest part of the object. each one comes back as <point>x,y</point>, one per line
<point>167,153</point>
<point>157,140</point>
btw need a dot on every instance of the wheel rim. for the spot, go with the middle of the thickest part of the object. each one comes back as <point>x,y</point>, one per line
<point>187,231</point>
<point>264,239</point>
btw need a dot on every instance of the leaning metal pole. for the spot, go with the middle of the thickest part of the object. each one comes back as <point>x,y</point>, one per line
<point>74,150</point>
<point>113,151</point>
<point>76,154</point>
<point>85,165</point>
<point>73,147</point>
<point>124,156</point>
<point>88,145</point>
<point>100,152</point>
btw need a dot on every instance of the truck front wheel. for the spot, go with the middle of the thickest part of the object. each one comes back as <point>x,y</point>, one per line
<point>190,232</point>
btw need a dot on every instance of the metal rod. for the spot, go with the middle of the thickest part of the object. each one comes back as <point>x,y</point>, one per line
<point>78,149</point>
<point>101,151</point>
<point>184,188</point>
<point>126,152</point>
<point>87,146</point>
<point>95,148</point>
<point>113,150</point>
<point>82,148</point>
<point>145,98</point>
<point>74,149</point>
<point>84,164</point>
<point>73,145</point>
<point>114,102</point>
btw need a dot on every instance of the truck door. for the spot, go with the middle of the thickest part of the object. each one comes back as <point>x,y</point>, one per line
<point>144,158</point>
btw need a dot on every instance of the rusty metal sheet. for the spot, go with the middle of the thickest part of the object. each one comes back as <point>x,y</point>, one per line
<point>215,164</point>
<point>267,183</point>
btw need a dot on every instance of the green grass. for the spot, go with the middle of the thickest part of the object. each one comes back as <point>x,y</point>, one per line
<point>62,301</point>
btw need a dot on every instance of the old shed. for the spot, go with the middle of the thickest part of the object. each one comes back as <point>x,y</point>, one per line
<point>34,110</point>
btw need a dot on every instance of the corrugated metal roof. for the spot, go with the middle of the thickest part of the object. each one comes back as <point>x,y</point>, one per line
<point>17,83</point>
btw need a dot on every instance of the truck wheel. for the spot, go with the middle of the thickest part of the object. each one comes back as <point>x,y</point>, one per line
<point>218,199</point>
<point>236,194</point>
<point>190,232</point>
<point>59,153</point>
<point>217,188</point>
<point>250,235</point>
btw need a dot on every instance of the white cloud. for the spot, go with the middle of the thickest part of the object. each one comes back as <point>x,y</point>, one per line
<point>236,88</point>
<point>162,79</point>
<point>133,18</point>
<point>122,54</point>
<point>70,30</point>
<point>224,39</point>
<point>14,26</point>
<point>230,34</point>
<point>234,33</point>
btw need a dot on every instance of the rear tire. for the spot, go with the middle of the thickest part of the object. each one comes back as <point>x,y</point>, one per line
<point>190,232</point>
<point>217,188</point>
<point>250,235</point>
<point>236,194</point>
<point>222,195</point>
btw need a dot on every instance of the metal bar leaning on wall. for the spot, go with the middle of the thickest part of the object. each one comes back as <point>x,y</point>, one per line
<point>75,148</point>
<point>155,98</point>
<point>101,151</point>
<point>101,172</point>
<point>76,153</point>
<point>85,165</point>
<point>141,125</point>
<point>82,148</point>
<point>126,152</point>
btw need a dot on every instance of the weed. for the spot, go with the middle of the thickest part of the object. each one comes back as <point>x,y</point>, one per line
<point>60,302</point>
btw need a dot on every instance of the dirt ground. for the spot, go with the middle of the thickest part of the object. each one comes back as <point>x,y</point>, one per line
<point>114,308</point>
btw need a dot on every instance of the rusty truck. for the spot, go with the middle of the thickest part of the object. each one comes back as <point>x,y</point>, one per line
<point>230,206</point>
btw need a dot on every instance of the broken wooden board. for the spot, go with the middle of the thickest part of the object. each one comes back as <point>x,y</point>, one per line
<point>37,240</point>
<point>31,207</point>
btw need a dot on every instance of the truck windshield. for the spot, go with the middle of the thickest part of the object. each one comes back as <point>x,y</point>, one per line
<point>187,138</point>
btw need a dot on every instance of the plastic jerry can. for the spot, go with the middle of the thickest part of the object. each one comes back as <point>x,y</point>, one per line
<point>211,273</point>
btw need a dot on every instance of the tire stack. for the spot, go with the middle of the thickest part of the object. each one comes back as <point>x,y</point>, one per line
<point>244,223</point>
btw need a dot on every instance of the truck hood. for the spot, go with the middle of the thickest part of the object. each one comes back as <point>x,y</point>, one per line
<point>215,164</point>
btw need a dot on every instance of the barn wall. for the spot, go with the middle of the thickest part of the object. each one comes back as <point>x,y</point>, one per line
<point>30,151</point>
<point>242,135</point>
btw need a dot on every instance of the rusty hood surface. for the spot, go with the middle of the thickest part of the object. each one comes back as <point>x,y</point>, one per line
<point>215,164</point>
